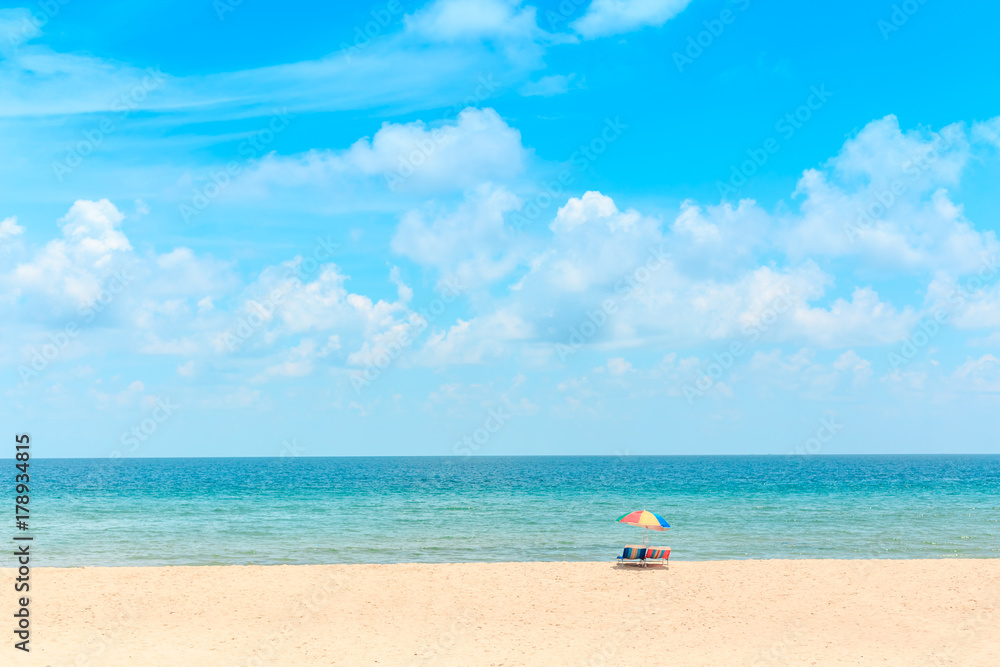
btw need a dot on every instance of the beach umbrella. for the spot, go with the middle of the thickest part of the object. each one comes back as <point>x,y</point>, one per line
<point>646,520</point>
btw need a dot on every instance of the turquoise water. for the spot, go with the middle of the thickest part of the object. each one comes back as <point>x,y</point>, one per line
<point>451,509</point>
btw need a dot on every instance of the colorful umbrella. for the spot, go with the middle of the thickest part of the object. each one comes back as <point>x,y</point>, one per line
<point>646,520</point>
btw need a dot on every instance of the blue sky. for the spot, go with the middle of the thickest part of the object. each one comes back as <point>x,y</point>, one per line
<point>491,227</point>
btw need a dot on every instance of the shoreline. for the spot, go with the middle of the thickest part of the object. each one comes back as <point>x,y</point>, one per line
<point>610,561</point>
<point>733,612</point>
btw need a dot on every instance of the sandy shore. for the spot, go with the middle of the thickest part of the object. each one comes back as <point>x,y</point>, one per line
<point>810,612</point>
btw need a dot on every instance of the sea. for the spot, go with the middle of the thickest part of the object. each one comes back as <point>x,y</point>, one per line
<point>299,510</point>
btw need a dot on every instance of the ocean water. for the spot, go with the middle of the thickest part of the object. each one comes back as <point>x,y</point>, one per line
<point>452,509</point>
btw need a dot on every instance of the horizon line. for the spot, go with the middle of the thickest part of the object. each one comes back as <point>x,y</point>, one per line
<point>499,456</point>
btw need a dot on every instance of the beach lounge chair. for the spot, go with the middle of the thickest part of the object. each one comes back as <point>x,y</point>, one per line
<point>633,553</point>
<point>658,553</point>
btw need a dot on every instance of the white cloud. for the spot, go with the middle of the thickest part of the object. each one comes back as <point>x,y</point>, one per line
<point>618,366</point>
<point>988,131</point>
<point>719,240</point>
<point>72,268</point>
<point>611,17</point>
<point>864,320</point>
<point>9,229</point>
<point>592,208</point>
<point>480,340</point>
<point>298,361</point>
<point>972,302</point>
<point>804,372</point>
<point>92,271</point>
<point>884,200</point>
<point>702,273</point>
<point>599,254</point>
<point>457,20</point>
<point>979,375</point>
<point>470,400</point>
<point>34,79</point>
<point>469,245</point>
<point>129,396</point>
<point>428,65</point>
<point>387,344</point>
<point>475,147</point>
<point>593,243</point>
<point>352,323</point>
<point>851,362</point>
<point>180,271</point>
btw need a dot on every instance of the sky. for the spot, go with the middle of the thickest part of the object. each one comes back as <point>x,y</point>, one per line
<point>489,227</point>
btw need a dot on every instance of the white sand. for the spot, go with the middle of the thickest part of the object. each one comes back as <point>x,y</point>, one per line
<point>806,612</point>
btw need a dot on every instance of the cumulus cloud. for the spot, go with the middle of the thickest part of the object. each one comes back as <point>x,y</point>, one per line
<point>645,282</point>
<point>699,274</point>
<point>971,302</point>
<point>9,229</point>
<point>851,362</point>
<point>605,253</point>
<point>611,17</point>
<point>719,240</point>
<point>476,146</point>
<point>978,375</point>
<point>593,242</point>
<point>91,271</point>
<point>73,267</point>
<point>884,199</point>
<point>287,304</point>
<point>469,245</point>
<point>180,270</point>
<point>864,320</point>
<point>476,341</point>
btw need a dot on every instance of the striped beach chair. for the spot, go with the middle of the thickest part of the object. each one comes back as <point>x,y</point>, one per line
<point>659,553</point>
<point>633,553</point>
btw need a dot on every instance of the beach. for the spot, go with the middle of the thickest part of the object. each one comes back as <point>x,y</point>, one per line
<point>735,612</point>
